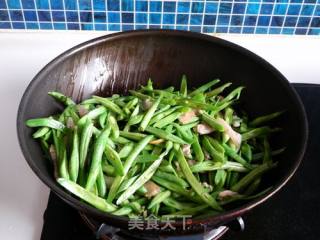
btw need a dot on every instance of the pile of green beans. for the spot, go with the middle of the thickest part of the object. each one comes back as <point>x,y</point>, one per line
<point>145,153</point>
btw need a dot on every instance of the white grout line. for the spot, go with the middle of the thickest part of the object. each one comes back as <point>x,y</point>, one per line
<point>50,10</point>
<point>189,14</point>
<point>285,17</point>
<point>271,17</point>
<point>78,10</point>
<point>230,16</point>
<point>92,15</point>
<point>203,13</point>
<point>107,17</point>
<point>217,15</point>
<point>257,20</point>
<point>64,12</point>
<point>22,13</point>
<point>295,27</point>
<point>8,10</point>
<point>309,25</point>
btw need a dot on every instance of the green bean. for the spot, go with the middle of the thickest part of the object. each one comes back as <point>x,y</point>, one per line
<point>257,132</point>
<point>190,211</point>
<point>251,176</point>
<point>41,132</point>
<point>217,156</point>
<point>87,196</point>
<point>127,165</point>
<point>159,198</point>
<point>101,184</point>
<point>135,206</point>
<point>196,104</point>
<point>125,151</point>
<point>211,121</point>
<point>133,121</point>
<point>215,144</point>
<point>246,151</point>
<point>260,155</point>
<point>173,187</point>
<point>171,202</point>
<point>130,105</point>
<point>89,101</point>
<point>132,135</point>
<point>185,134</point>
<point>204,87</point>
<point>109,105</point>
<point>47,136</point>
<point>98,150</point>
<point>163,114</point>
<point>115,133</point>
<point>253,187</point>
<point>183,86</point>
<point>127,183</point>
<point>114,159</point>
<point>196,186</point>
<point>85,139</point>
<point>234,94</point>
<point>144,177</point>
<point>108,169</point>
<point>172,178</point>
<point>218,90</point>
<point>206,166</point>
<point>93,114</point>
<point>61,156</point>
<point>267,154</point>
<point>234,178</point>
<point>243,197</point>
<point>168,119</point>
<point>147,117</point>
<point>163,134</point>
<point>102,119</point>
<point>231,153</point>
<point>61,98</point>
<point>146,157</point>
<point>139,95</point>
<point>74,159</point>
<point>197,148</point>
<point>45,122</point>
<point>263,119</point>
<point>220,178</point>
<point>120,140</point>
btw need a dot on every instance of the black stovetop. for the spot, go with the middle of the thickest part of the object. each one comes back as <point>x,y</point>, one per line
<point>293,213</point>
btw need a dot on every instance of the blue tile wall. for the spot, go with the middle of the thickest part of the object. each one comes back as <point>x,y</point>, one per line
<point>300,17</point>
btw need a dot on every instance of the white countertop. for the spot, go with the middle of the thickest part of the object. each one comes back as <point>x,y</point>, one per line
<point>23,197</point>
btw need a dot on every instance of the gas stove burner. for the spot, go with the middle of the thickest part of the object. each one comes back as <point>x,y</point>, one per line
<point>107,232</point>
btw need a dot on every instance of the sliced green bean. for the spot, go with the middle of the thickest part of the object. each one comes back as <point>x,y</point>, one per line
<point>197,148</point>
<point>231,153</point>
<point>257,132</point>
<point>204,87</point>
<point>212,122</point>
<point>74,159</point>
<point>172,178</point>
<point>115,133</point>
<point>41,132</point>
<point>87,196</point>
<point>98,150</point>
<point>217,156</point>
<point>125,151</point>
<point>143,178</point>
<point>196,186</point>
<point>127,165</point>
<point>109,105</point>
<point>183,86</point>
<point>45,122</point>
<point>163,134</point>
<point>251,176</point>
<point>218,90</point>
<point>114,159</point>
<point>61,98</point>
<point>263,119</point>
<point>159,198</point>
<point>101,184</point>
<point>147,117</point>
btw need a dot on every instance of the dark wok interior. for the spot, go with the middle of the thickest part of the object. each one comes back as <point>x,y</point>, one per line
<point>117,63</point>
